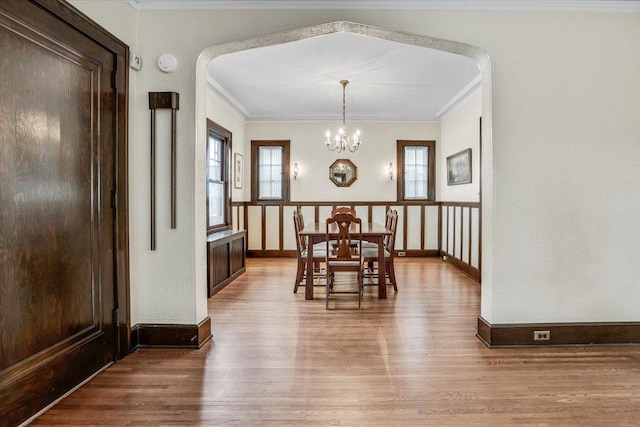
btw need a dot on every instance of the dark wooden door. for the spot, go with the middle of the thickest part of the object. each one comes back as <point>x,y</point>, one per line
<point>57,222</point>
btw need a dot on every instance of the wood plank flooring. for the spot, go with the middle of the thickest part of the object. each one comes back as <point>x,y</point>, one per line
<point>410,360</point>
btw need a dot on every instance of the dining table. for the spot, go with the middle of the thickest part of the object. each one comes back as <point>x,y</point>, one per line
<point>371,232</point>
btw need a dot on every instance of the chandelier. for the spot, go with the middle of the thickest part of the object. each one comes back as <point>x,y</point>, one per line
<point>342,141</point>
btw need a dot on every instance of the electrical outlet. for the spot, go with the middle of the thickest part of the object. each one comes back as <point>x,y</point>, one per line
<point>541,335</point>
<point>402,254</point>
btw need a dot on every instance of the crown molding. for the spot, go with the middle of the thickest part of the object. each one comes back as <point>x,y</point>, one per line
<point>217,92</point>
<point>462,5</point>
<point>460,99</point>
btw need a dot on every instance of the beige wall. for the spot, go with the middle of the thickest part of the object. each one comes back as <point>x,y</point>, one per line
<point>461,130</point>
<point>563,241</point>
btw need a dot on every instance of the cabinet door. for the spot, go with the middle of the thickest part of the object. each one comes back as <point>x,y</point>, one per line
<point>237,255</point>
<point>218,265</point>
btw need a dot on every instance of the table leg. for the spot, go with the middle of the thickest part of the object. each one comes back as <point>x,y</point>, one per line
<point>382,276</point>
<point>308,286</point>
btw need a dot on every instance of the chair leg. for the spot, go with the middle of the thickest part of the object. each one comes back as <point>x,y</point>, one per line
<point>360,287</point>
<point>392,276</point>
<point>329,285</point>
<point>299,275</point>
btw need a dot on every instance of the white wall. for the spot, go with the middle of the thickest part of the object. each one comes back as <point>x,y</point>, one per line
<point>564,242</point>
<point>372,158</point>
<point>220,114</point>
<point>461,130</point>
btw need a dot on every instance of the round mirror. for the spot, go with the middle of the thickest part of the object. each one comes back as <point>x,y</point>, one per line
<point>343,173</point>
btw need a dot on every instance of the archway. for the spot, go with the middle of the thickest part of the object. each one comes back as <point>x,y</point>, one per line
<point>481,58</point>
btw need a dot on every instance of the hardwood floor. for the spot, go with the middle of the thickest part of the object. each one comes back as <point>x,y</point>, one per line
<point>410,360</point>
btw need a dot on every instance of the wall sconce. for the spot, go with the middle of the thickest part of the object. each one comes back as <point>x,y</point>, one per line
<point>390,171</point>
<point>296,170</point>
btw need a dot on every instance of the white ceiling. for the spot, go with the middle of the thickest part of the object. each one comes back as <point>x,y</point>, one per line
<point>300,80</point>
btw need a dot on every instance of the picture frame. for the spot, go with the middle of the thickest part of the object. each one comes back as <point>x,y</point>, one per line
<point>459,168</point>
<point>238,170</point>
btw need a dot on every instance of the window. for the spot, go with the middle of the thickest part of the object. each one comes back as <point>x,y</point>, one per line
<point>270,170</point>
<point>270,173</point>
<point>218,177</point>
<point>416,170</point>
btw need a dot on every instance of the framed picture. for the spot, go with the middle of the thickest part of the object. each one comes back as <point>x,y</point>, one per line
<point>459,168</point>
<point>238,171</point>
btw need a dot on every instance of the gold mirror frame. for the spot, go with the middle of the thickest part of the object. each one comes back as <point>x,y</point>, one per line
<point>343,172</point>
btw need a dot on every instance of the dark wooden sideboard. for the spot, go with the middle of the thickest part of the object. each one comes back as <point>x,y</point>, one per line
<point>225,258</point>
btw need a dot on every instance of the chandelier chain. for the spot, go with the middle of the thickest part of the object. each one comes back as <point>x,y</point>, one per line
<point>344,103</point>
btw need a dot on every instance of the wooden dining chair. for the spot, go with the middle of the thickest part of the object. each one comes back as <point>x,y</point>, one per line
<point>373,245</point>
<point>387,225</point>
<point>342,256</point>
<point>370,254</point>
<point>302,253</point>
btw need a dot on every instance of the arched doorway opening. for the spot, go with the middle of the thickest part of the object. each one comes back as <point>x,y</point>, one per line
<point>480,57</point>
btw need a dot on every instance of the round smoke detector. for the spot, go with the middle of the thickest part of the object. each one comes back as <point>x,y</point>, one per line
<point>167,63</point>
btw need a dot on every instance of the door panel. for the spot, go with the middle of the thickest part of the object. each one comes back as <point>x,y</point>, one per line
<point>57,148</point>
<point>46,199</point>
